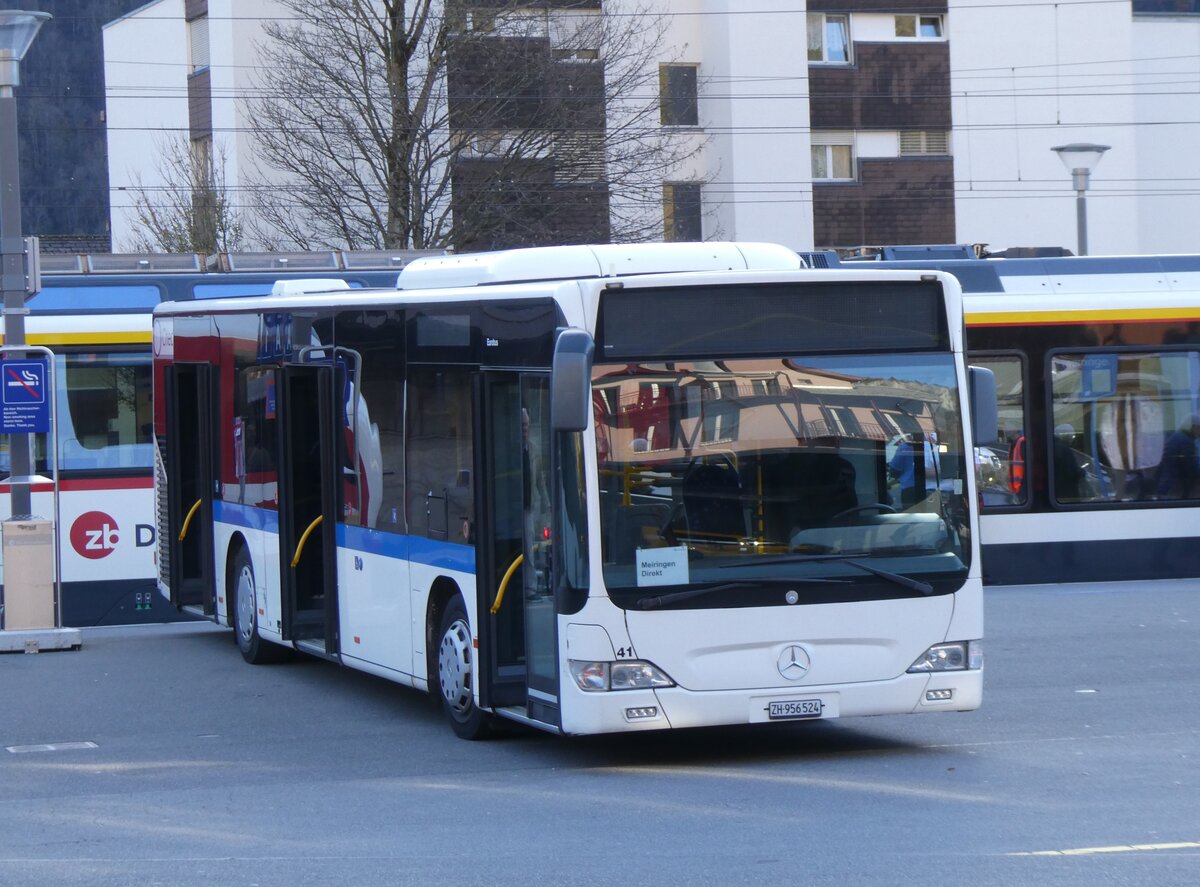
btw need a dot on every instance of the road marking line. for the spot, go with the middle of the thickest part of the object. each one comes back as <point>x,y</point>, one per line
<point>1120,848</point>
<point>49,746</point>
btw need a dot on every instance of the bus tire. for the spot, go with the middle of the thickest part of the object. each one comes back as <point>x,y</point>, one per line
<point>457,672</point>
<point>240,596</point>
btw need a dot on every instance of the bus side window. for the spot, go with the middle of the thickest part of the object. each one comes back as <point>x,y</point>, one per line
<point>377,338</point>
<point>257,460</point>
<point>441,502</point>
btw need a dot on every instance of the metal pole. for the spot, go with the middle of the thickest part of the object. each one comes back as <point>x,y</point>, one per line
<point>1081,220</point>
<point>1079,178</point>
<point>13,282</point>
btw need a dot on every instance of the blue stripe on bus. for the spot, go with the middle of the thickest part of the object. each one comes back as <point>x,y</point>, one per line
<point>246,516</point>
<point>429,552</point>
<point>447,555</point>
<point>417,549</point>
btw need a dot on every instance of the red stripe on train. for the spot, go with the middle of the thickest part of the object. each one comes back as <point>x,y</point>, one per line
<point>86,484</point>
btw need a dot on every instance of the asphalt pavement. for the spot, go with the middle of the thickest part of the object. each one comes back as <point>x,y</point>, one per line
<point>155,755</point>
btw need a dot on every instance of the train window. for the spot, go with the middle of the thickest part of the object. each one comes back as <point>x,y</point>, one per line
<point>111,298</point>
<point>1125,426</point>
<point>104,411</point>
<point>1001,469</point>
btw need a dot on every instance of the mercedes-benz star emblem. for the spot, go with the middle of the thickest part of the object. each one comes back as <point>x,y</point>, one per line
<point>793,662</point>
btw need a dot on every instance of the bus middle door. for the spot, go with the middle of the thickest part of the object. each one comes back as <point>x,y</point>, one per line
<point>308,498</point>
<point>190,483</point>
<point>521,652</point>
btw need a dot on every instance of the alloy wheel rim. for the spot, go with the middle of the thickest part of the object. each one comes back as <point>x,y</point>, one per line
<point>454,667</point>
<point>245,605</point>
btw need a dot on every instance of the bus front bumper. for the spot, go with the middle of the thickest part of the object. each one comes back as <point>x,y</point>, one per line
<point>676,707</point>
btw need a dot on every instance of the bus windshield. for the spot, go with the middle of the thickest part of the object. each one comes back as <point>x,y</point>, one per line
<point>841,476</point>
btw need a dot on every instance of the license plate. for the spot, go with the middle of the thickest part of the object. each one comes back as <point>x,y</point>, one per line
<point>795,709</point>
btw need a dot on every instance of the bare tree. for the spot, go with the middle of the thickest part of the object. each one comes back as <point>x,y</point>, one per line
<point>191,211</point>
<point>434,123</point>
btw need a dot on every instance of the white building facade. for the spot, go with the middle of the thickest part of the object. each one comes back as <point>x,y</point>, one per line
<point>177,71</point>
<point>948,137</point>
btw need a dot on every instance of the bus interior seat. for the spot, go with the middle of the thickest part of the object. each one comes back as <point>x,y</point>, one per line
<point>825,487</point>
<point>638,526</point>
<point>712,499</point>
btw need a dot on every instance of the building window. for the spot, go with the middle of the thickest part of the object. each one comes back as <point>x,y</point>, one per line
<point>575,35</point>
<point>682,212</point>
<point>197,30</point>
<point>829,38</point>
<point>1166,7</point>
<point>678,95</point>
<point>576,55</point>
<point>833,157</point>
<point>917,142</point>
<point>919,27</point>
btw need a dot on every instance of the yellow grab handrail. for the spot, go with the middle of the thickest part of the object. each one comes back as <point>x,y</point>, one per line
<point>504,583</point>
<point>188,520</point>
<point>304,538</point>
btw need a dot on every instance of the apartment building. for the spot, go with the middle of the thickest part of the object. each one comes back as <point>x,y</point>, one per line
<point>839,124</point>
<point>60,109</point>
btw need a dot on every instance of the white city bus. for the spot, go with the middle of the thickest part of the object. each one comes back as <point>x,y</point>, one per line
<point>590,489</point>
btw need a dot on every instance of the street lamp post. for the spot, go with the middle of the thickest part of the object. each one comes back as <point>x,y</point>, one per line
<point>1080,158</point>
<point>17,30</point>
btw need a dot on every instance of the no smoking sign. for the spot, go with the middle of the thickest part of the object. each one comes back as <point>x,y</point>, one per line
<point>24,400</point>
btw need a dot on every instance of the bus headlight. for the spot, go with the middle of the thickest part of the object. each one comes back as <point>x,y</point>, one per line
<point>633,674</point>
<point>958,656</point>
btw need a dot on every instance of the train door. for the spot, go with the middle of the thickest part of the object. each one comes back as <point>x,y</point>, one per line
<point>308,497</point>
<point>190,484</point>
<point>518,640</point>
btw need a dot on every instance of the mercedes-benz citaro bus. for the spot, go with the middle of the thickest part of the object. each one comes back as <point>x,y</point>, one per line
<point>588,489</point>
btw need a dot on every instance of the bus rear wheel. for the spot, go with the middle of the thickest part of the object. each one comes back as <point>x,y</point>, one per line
<point>457,673</point>
<point>243,606</point>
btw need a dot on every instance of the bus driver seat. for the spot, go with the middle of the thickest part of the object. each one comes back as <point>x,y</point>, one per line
<point>712,502</point>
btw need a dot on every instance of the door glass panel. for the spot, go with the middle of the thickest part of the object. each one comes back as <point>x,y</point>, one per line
<point>535,499</point>
<point>506,484</point>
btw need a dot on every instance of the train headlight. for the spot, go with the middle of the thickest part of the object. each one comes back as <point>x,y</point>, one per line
<point>631,674</point>
<point>958,656</point>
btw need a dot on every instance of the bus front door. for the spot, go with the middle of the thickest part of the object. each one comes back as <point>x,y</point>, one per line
<point>307,503</point>
<point>189,466</point>
<point>519,640</point>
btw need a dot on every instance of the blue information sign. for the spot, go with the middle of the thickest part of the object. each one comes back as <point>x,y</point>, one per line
<point>24,396</point>
<point>1099,376</point>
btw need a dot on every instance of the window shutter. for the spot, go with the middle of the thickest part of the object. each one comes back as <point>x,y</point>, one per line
<point>198,42</point>
<point>924,142</point>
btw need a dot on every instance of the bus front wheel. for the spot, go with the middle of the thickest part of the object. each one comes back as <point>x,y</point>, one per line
<point>241,601</point>
<point>457,673</point>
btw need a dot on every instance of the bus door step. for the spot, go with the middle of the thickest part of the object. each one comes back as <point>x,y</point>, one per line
<point>315,647</point>
<point>517,713</point>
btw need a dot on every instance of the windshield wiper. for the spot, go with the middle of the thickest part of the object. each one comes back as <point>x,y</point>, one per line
<point>658,601</point>
<point>898,578</point>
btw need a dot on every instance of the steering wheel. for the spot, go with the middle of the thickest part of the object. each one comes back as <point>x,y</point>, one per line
<point>881,507</point>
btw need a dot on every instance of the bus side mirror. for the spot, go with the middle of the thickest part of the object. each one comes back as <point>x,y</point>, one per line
<point>985,414</point>
<point>571,381</point>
